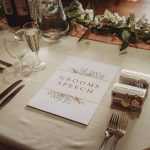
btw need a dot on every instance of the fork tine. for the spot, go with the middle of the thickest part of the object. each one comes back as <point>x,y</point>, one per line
<point>123,121</point>
<point>113,121</point>
<point>117,119</point>
<point>110,130</point>
<point>121,129</point>
<point>126,117</point>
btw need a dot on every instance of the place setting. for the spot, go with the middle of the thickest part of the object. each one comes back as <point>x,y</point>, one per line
<point>79,89</point>
<point>128,96</point>
<point>16,45</point>
<point>116,128</point>
<point>18,41</point>
<point>87,95</point>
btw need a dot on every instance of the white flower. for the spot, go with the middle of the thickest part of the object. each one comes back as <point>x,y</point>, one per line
<point>90,13</point>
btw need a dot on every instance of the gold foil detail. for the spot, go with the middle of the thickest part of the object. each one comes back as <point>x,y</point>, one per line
<point>65,98</point>
<point>87,72</point>
<point>125,103</point>
<point>78,84</point>
<point>141,84</point>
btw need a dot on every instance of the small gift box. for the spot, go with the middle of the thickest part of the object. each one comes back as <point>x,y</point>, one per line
<point>134,78</point>
<point>129,97</point>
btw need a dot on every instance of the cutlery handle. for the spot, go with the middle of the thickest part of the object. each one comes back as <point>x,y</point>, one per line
<point>10,96</point>
<point>5,63</point>
<point>113,147</point>
<point>104,142</point>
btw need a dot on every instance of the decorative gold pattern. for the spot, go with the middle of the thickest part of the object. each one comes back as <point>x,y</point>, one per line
<point>135,101</point>
<point>141,83</point>
<point>87,72</point>
<point>65,98</point>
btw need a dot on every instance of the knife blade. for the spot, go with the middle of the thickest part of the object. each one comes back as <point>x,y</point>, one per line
<point>11,87</point>
<point>1,69</point>
<point>5,63</point>
<point>10,96</point>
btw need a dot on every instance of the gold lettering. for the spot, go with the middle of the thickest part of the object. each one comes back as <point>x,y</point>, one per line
<point>89,91</point>
<point>90,84</point>
<point>75,70</point>
<point>75,80</point>
<point>82,82</point>
<point>96,86</point>
<point>70,85</point>
<point>91,73</point>
<point>82,89</point>
<point>76,87</point>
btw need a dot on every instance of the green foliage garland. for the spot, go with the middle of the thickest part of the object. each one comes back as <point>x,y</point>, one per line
<point>129,29</point>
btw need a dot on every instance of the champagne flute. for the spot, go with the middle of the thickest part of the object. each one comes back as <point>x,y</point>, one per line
<point>17,50</point>
<point>32,35</point>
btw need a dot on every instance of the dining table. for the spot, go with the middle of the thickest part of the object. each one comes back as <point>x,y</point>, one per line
<point>26,128</point>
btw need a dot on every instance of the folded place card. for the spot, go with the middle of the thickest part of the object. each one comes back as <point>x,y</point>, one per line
<point>75,90</point>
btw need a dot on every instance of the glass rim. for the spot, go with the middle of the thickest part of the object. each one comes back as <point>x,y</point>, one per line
<point>31,22</point>
<point>14,36</point>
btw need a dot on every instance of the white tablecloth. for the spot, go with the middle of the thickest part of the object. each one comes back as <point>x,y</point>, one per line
<point>27,128</point>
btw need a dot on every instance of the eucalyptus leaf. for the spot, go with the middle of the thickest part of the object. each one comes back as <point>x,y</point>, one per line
<point>125,35</point>
<point>132,17</point>
<point>85,35</point>
<point>124,45</point>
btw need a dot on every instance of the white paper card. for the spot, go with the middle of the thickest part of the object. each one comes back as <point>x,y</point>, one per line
<point>75,90</point>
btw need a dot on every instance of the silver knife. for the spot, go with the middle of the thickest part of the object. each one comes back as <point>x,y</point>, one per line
<point>5,63</point>
<point>1,69</point>
<point>11,87</point>
<point>10,97</point>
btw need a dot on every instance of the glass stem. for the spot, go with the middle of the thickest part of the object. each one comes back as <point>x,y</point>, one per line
<point>37,60</point>
<point>20,63</point>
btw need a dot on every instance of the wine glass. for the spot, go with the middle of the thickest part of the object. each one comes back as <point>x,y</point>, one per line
<point>17,49</point>
<point>32,36</point>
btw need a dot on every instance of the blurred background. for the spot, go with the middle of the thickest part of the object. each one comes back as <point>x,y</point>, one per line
<point>123,7</point>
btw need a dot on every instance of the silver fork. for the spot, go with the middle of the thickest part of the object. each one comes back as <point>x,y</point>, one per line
<point>110,130</point>
<point>121,129</point>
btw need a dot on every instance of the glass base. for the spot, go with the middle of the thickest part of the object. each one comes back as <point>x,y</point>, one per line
<point>8,74</point>
<point>40,67</point>
<point>11,73</point>
<point>24,71</point>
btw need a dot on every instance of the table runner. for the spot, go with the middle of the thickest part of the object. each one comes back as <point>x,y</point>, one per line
<point>78,30</point>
